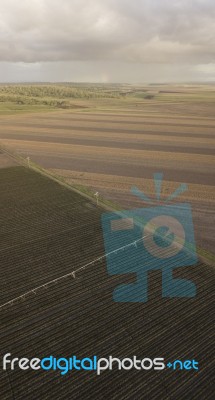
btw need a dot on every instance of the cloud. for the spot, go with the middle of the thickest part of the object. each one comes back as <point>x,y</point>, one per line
<point>208,69</point>
<point>137,31</point>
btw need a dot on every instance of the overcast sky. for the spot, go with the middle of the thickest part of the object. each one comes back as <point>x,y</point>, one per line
<point>107,40</point>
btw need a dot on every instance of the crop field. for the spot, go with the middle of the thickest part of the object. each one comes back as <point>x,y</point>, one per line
<point>113,137</point>
<point>47,232</point>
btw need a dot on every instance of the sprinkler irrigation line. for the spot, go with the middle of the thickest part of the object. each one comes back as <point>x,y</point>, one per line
<point>73,273</point>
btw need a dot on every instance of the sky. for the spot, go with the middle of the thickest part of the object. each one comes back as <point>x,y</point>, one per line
<point>133,41</point>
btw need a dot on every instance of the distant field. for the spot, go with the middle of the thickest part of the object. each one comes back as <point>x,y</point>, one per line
<point>112,137</point>
<point>19,99</point>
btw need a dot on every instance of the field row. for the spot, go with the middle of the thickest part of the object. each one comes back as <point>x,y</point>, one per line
<point>48,231</point>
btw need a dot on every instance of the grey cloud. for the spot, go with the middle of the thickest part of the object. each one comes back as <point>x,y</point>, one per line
<point>143,31</point>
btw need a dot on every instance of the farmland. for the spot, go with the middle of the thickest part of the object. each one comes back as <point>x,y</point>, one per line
<point>48,231</point>
<point>56,294</point>
<point>109,138</point>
